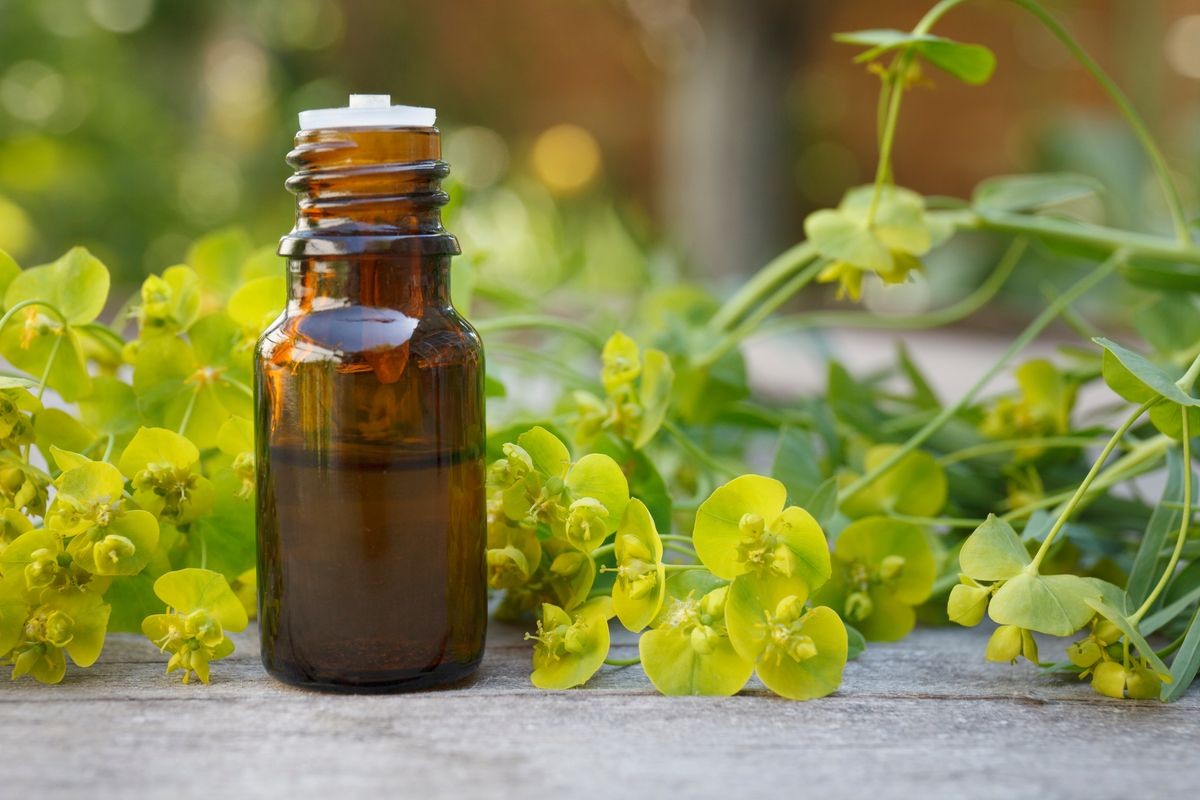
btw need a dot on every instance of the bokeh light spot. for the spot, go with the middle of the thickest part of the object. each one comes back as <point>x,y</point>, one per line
<point>566,158</point>
<point>31,91</point>
<point>120,16</point>
<point>16,229</point>
<point>479,156</point>
<point>1183,46</point>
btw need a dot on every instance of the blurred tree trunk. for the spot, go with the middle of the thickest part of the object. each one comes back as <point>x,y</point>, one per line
<point>728,160</point>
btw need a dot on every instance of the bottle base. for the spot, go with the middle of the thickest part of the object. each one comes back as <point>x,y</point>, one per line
<point>443,676</point>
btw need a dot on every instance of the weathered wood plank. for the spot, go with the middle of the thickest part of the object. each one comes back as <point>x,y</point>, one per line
<point>926,717</point>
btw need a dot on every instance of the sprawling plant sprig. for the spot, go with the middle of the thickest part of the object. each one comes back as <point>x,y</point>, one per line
<point>126,464</point>
<point>142,495</point>
<point>894,476</point>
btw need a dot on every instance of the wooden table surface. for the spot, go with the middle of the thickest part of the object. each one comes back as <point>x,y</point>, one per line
<point>924,718</point>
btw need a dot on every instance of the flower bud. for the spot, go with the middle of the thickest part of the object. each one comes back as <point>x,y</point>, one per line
<point>1107,631</point>
<point>859,606</point>
<point>1005,644</point>
<point>704,639</point>
<point>1029,648</point>
<point>751,525</point>
<point>712,605</point>
<point>633,547</point>
<point>1084,653</point>
<point>891,567</point>
<point>59,629</point>
<point>1143,684</point>
<point>111,551</point>
<point>967,604</point>
<point>801,648</point>
<point>1108,679</point>
<point>567,564</point>
<point>789,609</point>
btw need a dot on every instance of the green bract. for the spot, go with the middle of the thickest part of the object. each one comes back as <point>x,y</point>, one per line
<point>581,501</point>
<point>915,486</point>
<point>570,647</point>
<point>1056,605</point>
<point>687,651</point>
<point>641,578</point>
<point>888,245</point>
<point>65,623</point>
<point>64,296</point>
<point>164,468</point>
<point>637,391</point>
<point>882,568</point>
<point>798,652</point>
<point>201,607</point>
<point>972,63</point>
<point>1042,409</point>
<point>743,532</point>
<point>1134,378</point>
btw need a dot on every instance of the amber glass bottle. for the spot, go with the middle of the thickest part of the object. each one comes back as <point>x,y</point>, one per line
<point>369,397</point>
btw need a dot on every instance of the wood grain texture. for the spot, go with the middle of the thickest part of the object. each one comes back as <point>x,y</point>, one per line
<point>927,717</point>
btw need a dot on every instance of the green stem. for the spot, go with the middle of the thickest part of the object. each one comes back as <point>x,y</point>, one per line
<point>961,309</point>
<point>1184,520</point>
<point>602,551</point>
<point>883,167</point>
<point>1138,461</point>
<point>1135,121</point>
<point>895,88</point>
<point>1117,436</point>
<point>940,522</point>
<point>1067,231</point>
<point>1028,335</point>
<point>766,308</point>
<point>8,315</point>
<point>537,321</point>
<point>622,662</point>
<point>695,450</point>
<point>777,271</point>
<point>58,340</point>
<point>681,567</point>
<point>187,414</point>
<point>678,548</point>
<point>1006,445</point>
<point>672,537</point>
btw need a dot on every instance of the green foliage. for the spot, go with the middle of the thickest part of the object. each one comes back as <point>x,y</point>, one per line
<point>128,506</point>
<point>656,514</point>
<point>972,63</point>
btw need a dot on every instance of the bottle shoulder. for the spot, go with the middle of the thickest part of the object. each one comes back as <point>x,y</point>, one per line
<point>439,335</point>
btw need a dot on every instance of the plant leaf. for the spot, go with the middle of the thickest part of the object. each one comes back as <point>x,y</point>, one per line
<point>970,63</point>
<point>1056,605</point>
<point>1032,192</point>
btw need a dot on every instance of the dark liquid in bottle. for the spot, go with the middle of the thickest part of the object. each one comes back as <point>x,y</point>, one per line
<point>371,582</point>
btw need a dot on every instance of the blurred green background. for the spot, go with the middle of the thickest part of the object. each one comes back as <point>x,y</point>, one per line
<point>614,142</point>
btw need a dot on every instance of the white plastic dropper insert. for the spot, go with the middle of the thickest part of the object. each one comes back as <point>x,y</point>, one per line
<point>368,111</point>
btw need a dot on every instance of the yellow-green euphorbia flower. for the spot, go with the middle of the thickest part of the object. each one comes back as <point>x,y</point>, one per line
<point>201,607</point>
<point>67,623</point>
<point>581,501</point>
<point>641,577</point>
<point>164,468</point>
<point>744,534</point>
<point>882,568</point>
<point>798,652</point>
<point>106,537</point>
<point>570,647</point>
<point>687,650</point>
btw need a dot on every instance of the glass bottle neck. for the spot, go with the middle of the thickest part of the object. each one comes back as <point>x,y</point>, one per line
<point>368,190</point>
